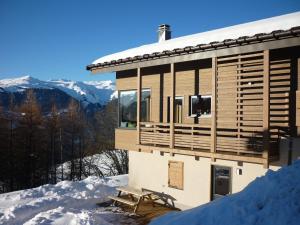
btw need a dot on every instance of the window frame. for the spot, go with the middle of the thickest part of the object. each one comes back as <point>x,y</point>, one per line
<point>180,97</point>
<point>127,90</point>
<point>230,177</point>
<point>191,105</point>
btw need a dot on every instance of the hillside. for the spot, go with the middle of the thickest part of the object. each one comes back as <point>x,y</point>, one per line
<point>273,199</point>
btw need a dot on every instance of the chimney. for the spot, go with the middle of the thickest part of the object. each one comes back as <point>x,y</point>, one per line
<point>164,32</point>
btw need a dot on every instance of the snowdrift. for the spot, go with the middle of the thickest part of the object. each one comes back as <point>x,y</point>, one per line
<point>65,203</point>
<point>273,199</point>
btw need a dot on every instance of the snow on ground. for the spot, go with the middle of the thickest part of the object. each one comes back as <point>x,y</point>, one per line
<point>65,203</point>
<point>273,199</point>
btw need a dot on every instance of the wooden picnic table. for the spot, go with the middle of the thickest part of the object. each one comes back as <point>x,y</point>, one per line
<point>136,195</point>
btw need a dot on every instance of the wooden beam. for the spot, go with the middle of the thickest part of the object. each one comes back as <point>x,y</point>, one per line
<point>298,98</point>
<point>230,157</point>
<point>138,113</point>
<point>213,105</point>
<point>298,74</point>
<point>172,99</point>
<point>266,108</point>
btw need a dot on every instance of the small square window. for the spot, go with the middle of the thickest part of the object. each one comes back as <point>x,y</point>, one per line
<point>200,105</point>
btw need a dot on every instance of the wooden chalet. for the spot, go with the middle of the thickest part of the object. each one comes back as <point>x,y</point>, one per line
<point>205,114</point>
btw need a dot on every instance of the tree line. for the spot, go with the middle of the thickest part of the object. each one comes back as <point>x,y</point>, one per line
<point>33,144</point>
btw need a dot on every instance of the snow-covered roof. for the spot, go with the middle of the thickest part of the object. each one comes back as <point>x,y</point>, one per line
<point>284,22</point>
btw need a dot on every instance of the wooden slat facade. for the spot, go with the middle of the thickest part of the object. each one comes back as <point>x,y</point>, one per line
<point>254,104</point>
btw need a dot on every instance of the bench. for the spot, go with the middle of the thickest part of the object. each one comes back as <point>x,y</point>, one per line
<point>122,200</point>
<point>134,194</point>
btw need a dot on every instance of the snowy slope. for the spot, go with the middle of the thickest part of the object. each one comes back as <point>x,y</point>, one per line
<point>86,91</point>
<point>21,83</point>
<point>273,199</point>
<point>64,203</point>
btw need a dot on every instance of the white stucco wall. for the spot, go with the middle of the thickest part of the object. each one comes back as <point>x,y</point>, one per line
<point>150,171</point>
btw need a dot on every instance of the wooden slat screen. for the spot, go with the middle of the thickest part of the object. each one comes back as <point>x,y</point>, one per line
<point>175,176</point>
<point>280,87</point>
<point>239,109</point>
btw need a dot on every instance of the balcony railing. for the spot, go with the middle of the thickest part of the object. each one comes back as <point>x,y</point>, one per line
<point>156,134</point>
<point>198,138</point>
<point>187,136</point>
<point>192,136</point>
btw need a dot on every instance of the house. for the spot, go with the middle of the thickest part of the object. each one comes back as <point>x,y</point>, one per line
<point>203,115</point>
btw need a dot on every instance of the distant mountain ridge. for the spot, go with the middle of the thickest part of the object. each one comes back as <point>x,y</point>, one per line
<point>86,92</point>
<point>91,95</point>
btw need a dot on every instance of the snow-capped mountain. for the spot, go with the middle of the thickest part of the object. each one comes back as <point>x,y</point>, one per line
<point>87,92</point>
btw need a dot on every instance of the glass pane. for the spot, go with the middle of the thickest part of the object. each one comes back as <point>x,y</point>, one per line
<point>195,105</point>
<point>145,105</point>
<point>200,105</point>
<point>205,106</point>
<point>127,109</point>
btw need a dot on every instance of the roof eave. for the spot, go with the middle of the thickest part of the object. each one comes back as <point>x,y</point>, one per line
<point>275,36</point>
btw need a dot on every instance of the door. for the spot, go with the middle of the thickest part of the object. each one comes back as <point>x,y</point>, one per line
<point>221,181</point>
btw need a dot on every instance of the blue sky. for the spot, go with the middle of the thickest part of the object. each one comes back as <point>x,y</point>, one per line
<point>51,39</point>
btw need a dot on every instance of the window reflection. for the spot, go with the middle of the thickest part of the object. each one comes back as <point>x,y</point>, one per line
<point>145,105</point>
<point>200,105</point>
<point>128,108</point>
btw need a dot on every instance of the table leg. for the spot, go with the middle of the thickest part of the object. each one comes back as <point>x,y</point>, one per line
<point>152,200</point>
<point>119,194</point>
<point>137,205</point>
<point>132,198</point>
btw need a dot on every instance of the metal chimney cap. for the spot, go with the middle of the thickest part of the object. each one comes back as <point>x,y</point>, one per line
<point>164,32</point>
<point>164,26</point>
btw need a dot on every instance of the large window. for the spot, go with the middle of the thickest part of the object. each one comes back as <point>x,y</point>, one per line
<point>200,105</point>
<point>128,108</point>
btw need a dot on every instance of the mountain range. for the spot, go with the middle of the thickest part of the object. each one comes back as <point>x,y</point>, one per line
<point>90,94</point>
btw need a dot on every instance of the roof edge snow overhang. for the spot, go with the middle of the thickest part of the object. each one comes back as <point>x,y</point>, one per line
<point>258,42</point>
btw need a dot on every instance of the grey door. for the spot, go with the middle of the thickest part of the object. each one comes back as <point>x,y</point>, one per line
<point>221,181</point>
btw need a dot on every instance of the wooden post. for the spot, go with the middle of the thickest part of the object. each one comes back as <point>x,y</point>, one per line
<point>213,105</point>
<point>266,108</point>
<point>298,98</point>
<point>239,107</point>
<point>138,113</point>
<point>172,99</point>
